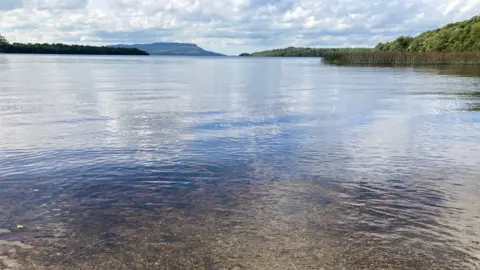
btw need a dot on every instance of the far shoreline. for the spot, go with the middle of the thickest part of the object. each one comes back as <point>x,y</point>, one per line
<point>59,48</point>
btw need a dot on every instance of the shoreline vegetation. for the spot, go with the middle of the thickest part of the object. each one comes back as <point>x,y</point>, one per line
<point>462,36</point>
<point>19,48</point>
<point>304,52</point>
<point>369,56</point>
<point>57,48</point>
<point>403,58</point>
<point>454,44</point>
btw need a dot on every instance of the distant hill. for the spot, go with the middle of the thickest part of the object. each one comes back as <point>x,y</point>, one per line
<point>302,52</point>
<point>170,48</point>
<point>455,37</point>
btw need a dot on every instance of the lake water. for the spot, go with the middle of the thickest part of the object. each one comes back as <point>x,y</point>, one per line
<point>237,163</point>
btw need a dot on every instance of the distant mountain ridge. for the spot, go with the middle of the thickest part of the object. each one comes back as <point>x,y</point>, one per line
<point>170,48</point>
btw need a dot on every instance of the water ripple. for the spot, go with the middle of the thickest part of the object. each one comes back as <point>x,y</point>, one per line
<point>191,163</point>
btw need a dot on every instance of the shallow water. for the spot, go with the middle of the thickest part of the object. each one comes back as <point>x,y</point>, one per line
<point>234,163</point>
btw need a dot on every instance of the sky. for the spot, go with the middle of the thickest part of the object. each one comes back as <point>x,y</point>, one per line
<point>227,26</point>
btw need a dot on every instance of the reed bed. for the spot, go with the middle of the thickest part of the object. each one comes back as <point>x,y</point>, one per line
<point>403,58</point>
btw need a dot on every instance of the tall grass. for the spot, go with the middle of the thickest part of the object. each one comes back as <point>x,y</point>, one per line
<point>403,58</point>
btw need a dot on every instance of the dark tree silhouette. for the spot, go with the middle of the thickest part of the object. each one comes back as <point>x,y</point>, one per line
<point>3,40</point>
<point>58,48</point>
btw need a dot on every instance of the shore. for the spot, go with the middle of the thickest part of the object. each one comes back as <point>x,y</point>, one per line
<point>403,58</point>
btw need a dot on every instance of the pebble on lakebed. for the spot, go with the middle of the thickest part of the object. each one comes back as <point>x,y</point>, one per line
<point>7,251</point>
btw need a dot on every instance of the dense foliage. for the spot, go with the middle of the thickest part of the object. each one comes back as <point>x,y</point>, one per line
<point>303,52</point>
<point>170,48</point>
<point>455,37</point>
<point>45,48</point>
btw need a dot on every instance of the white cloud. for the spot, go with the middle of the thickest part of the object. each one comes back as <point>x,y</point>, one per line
<point>230,26</point>
<point>56,4</point>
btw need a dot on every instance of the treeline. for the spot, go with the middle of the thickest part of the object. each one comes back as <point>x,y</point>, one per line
<point>455,37</point>
<point>67,49</point>
<point>57,48</point>
<point>303,52</point>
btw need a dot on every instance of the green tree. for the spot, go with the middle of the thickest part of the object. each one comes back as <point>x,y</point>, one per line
<point>3,40</point>
<point>475,31</point>
<point>403,43</point>
<point>3,44</point>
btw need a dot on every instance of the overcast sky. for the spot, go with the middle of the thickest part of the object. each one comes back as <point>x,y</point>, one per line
<point>227,26</point>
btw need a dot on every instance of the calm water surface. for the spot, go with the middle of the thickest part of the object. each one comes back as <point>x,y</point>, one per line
<point>233,163</point>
